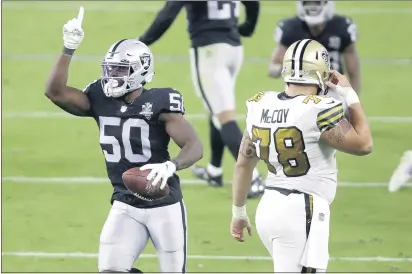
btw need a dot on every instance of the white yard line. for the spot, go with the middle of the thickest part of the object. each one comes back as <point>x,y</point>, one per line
<point>184,59</point>
<point>102,180</point>
<point>198,257</point>
<point>190,116</point>
<point>144,8</point>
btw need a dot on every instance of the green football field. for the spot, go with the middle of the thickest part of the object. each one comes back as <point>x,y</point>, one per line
<point>55,197</point>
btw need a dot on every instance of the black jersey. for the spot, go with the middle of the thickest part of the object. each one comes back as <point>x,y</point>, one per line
<point>339,33</point>
<point>209,22</point>
<point>131,135</point>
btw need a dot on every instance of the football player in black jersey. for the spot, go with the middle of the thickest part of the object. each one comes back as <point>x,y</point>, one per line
<point>135,126</point>
<point>216,56</point>
<point>317,20</point>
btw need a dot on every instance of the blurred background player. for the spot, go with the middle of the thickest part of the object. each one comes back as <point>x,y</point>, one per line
<point>216,56</point>
<point>403,173</point>
<point>296,133</point>
<point>135,125</point>
<point>317,20</point>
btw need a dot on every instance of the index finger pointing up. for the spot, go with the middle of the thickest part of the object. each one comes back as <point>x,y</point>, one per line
<point>80,15</point>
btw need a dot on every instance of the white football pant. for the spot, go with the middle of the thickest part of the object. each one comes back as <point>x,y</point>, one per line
<point>295,230</point>
<point>214,71</point>
<point>127,230</point>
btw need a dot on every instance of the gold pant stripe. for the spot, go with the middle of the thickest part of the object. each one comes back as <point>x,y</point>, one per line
<point>309,214</point>
<point>309,211</point>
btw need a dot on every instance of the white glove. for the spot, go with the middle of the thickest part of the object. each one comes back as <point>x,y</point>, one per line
<point>162,172</point>
<point>72,31</point>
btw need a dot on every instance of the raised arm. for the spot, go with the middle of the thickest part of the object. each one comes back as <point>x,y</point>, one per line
<point>353,136</point>
<point>70,99</point>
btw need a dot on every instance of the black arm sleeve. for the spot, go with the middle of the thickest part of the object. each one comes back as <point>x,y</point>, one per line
<point>252,9</point>
<point>162,22</point>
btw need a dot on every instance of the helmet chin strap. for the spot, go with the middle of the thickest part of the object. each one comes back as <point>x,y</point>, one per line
<point>322,88</point>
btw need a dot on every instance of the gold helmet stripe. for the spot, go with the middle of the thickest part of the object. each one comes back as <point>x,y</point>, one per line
<point>298,56</point>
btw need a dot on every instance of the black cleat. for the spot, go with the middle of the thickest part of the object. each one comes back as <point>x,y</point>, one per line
<point>135,270</point>
<point>202,174</point>
<point>257,188</point>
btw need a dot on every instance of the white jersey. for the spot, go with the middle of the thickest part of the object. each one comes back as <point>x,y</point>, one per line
<point>286,132</point>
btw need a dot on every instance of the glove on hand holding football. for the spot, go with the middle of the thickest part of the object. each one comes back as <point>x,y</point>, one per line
<point>159,172</point>
<point>72,31</point>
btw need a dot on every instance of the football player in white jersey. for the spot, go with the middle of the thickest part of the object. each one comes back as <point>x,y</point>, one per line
<point>296,133</point>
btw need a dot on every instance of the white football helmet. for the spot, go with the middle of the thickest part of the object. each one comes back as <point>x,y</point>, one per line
<point>127,66</point>
<point>315,12</point>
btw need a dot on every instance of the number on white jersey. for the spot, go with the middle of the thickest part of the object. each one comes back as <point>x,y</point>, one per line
<point>289,145</point>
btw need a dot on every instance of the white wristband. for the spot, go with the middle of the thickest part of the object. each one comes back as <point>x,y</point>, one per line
<point>350,96</point>
<point>239,212</point>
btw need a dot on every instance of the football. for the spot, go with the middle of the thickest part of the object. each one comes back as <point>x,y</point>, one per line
<point>136,182</point>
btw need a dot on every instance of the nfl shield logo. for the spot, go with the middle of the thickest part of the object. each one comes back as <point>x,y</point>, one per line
<point>123,109</point>
<point>321,217</point>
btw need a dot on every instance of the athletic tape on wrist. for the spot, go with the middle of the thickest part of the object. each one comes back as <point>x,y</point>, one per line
<point>239,212</point>
<point>350,95</point>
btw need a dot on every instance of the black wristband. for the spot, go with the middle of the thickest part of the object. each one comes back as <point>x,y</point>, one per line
<point>68,52</point>
<point>176,164</point>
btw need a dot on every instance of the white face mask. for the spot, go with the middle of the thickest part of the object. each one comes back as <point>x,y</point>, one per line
<point>112,89</point>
